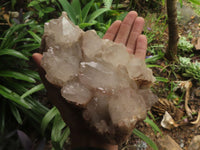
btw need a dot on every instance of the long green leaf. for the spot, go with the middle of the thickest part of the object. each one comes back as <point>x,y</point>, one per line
<point>16,113</point>
<point>31,73</point>
<point>65,135</point>
<point>197,2</point>
<point>33,90</point>
<point>77,8</point>
<point>58,125</point>
<point>97,13</point>
<point>86,9</point>
<point>84,25</point>
<point>161,79</point>
<point>156,66</point>
<point>145,138</point>
<point>9,33</point>
<point>69,9</point>
<point>56,134</point>
<point>47,118</point>
<point>35,36</point>
<point>153,125</point>
<point>8,94</point>
<point>12,52</point>
<point>154,58</point>
<point>16,75</point>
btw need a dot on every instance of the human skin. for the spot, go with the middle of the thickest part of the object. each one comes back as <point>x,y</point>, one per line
<point>127,32</point>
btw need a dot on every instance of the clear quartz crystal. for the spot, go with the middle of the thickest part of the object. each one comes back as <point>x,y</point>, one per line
<point>110,86</point>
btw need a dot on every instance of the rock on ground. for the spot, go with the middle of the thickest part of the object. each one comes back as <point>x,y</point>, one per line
<point>195,143</point>
<point>167,143</point>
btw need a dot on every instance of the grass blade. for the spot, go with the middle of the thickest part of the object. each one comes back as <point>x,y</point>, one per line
<point>33,90</point>
<point>8,94</point>
<point>56,133</point>
<point>197,2</point>
<point>153,59</point>
<point>16,113</point>
<point>156,66</point>
<point>10,32</point>
<point>35,36</point>
<point>77,9</point>
<point>161,79</point>
<point>13,52</point>
<point>69,9</point>
<point>47,118</point>
<point>16,75</point>
<point>153,125</point>
<point>145,139</point>
<point>97,13</point>
<point>84,25</point>
<point>86,9</point>
<point>65,135</point>
<point>58,125</point>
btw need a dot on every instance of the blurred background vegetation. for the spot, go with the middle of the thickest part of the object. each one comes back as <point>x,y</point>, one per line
<point>27,120</point>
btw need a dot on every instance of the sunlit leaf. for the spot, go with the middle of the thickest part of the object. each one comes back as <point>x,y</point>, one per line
<point>162,79</point>
<point>197,2</point>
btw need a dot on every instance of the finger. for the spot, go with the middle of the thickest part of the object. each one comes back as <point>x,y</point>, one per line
<point>125,27</point>
<point>141,47</point>
<point>135,32</point>
<point>112,31</point>
<point>37,57</point>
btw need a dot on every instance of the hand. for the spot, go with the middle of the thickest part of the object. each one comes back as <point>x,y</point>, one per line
<point>129,32</point>
<point>126,32</point>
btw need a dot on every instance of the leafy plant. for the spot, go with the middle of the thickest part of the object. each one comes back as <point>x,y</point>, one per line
<point>41,7</point>
<point>59,131</point>
<point>190,69</point>
<point>184,45</point>
<point>18,81</point>
<point>81,16</point>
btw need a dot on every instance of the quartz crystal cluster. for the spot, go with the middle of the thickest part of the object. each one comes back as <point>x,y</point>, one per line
<point>100,77</point>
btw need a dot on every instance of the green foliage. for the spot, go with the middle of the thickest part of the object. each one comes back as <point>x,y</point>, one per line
<point>146,139</point>
<point>59,132</point>
<point>196,2</point>
<point>184,45</point>
<point>91,14</point>
<point>18,82</point>
<point>80,16</point>
<point>190,69</point>
<point>153,125</point>
<point>41,8</point>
